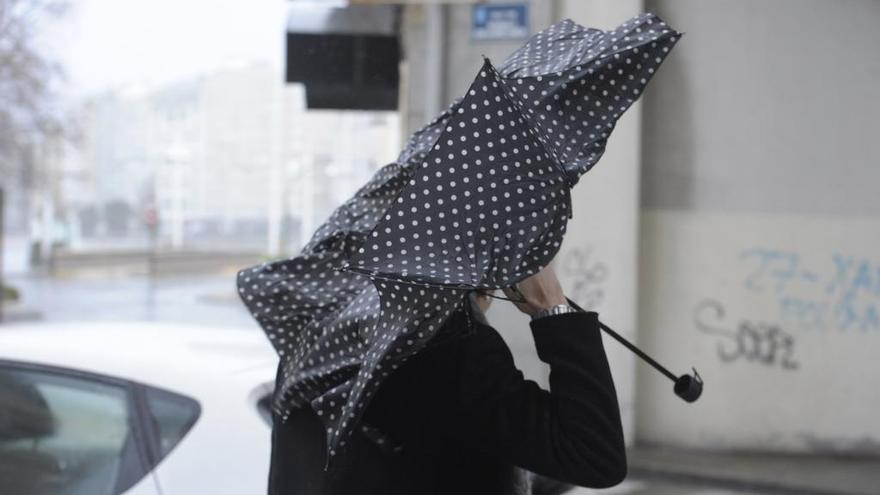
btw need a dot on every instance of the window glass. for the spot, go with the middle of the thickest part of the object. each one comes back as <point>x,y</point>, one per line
<point>174,416</point>
<point>62,435</point>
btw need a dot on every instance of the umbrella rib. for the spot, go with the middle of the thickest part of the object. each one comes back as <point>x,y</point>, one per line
<point>515,105</point>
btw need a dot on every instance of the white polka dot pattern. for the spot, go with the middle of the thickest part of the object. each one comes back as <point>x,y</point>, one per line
<point>478,198</point>
<point>486,208</point>
<point>339,334</point>
<point>555,49</point>
<point>573,83</point>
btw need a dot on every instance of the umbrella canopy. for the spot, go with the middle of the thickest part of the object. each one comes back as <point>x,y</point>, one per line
<point>478,199</point>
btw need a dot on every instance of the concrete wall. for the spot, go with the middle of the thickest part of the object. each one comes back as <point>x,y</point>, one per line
<point>760,230</point>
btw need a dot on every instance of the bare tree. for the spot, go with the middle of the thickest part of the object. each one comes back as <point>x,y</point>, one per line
<point>28,112</point>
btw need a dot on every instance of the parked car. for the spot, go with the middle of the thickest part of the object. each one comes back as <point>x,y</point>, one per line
<point>134,408</point>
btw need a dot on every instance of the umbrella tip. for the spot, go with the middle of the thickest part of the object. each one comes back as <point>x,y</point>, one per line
<point>688,387</point>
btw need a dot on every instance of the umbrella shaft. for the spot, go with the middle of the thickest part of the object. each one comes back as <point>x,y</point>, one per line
<point>630,346</point>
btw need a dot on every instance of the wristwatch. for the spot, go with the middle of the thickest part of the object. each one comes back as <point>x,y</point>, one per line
<point>559,309</point>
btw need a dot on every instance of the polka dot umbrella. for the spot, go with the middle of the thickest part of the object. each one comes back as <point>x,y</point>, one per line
<point>478,200</point>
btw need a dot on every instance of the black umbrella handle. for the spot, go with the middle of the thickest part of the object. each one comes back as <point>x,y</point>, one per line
<point>687,387</point>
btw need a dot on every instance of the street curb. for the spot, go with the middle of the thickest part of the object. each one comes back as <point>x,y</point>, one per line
<point>784,474</point>
<point>730,483</point>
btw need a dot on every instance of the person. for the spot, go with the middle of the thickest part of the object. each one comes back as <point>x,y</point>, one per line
<point>460,418</point>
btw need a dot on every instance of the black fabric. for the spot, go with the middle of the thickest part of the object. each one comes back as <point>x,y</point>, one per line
<point>460,416</point>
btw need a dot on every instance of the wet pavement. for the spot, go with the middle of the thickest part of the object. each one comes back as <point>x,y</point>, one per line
<point>657,487</point>
<point>197,299</point>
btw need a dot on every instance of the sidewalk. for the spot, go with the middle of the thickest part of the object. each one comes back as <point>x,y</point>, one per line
<point>770,473</point>
<point>14,312</point>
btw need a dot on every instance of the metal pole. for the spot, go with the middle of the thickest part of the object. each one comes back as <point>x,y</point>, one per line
<point>638,352</point>
<point>435,60</point>
<point>2,287</point>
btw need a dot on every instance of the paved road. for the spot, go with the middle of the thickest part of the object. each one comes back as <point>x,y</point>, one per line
<point>206,299</point>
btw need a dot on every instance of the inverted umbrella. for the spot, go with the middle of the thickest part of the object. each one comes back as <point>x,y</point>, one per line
<point>478,200</point>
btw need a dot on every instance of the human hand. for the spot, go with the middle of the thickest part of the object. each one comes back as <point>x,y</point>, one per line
<point>483,300</point>
<point>539,292</point>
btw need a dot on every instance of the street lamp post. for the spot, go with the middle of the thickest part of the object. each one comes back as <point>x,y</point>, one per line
<point>2,287</point>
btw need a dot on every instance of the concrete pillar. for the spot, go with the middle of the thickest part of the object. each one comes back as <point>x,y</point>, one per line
<point>435,59</point>
<point>598,263</point>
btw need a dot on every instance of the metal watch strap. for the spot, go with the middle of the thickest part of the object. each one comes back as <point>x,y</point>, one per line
<point>559,309</point>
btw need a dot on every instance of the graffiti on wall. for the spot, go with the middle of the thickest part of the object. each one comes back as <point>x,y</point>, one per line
<point>844,294</point>
<point>745,340</point>
<point>587,277</point>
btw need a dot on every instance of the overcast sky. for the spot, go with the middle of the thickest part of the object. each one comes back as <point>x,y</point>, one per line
<point>114,43</point>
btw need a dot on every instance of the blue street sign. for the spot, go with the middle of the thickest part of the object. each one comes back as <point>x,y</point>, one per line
<point>500,21</point>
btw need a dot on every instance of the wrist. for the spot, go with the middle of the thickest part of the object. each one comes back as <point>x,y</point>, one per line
<point>557,309</point>
<point>547,303</point>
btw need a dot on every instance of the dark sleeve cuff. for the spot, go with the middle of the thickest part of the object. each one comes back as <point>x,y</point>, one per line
<point>573,334</point>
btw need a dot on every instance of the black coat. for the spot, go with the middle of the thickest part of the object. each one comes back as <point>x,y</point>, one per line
<point>458,419</point>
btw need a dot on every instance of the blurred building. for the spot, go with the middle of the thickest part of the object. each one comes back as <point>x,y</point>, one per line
<point>115,127</point>
<point>345,148</point>
<point>231,157</point>
<point>214,142</point>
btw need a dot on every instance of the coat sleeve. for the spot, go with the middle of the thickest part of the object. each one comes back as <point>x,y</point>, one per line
<point>572,432</point>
